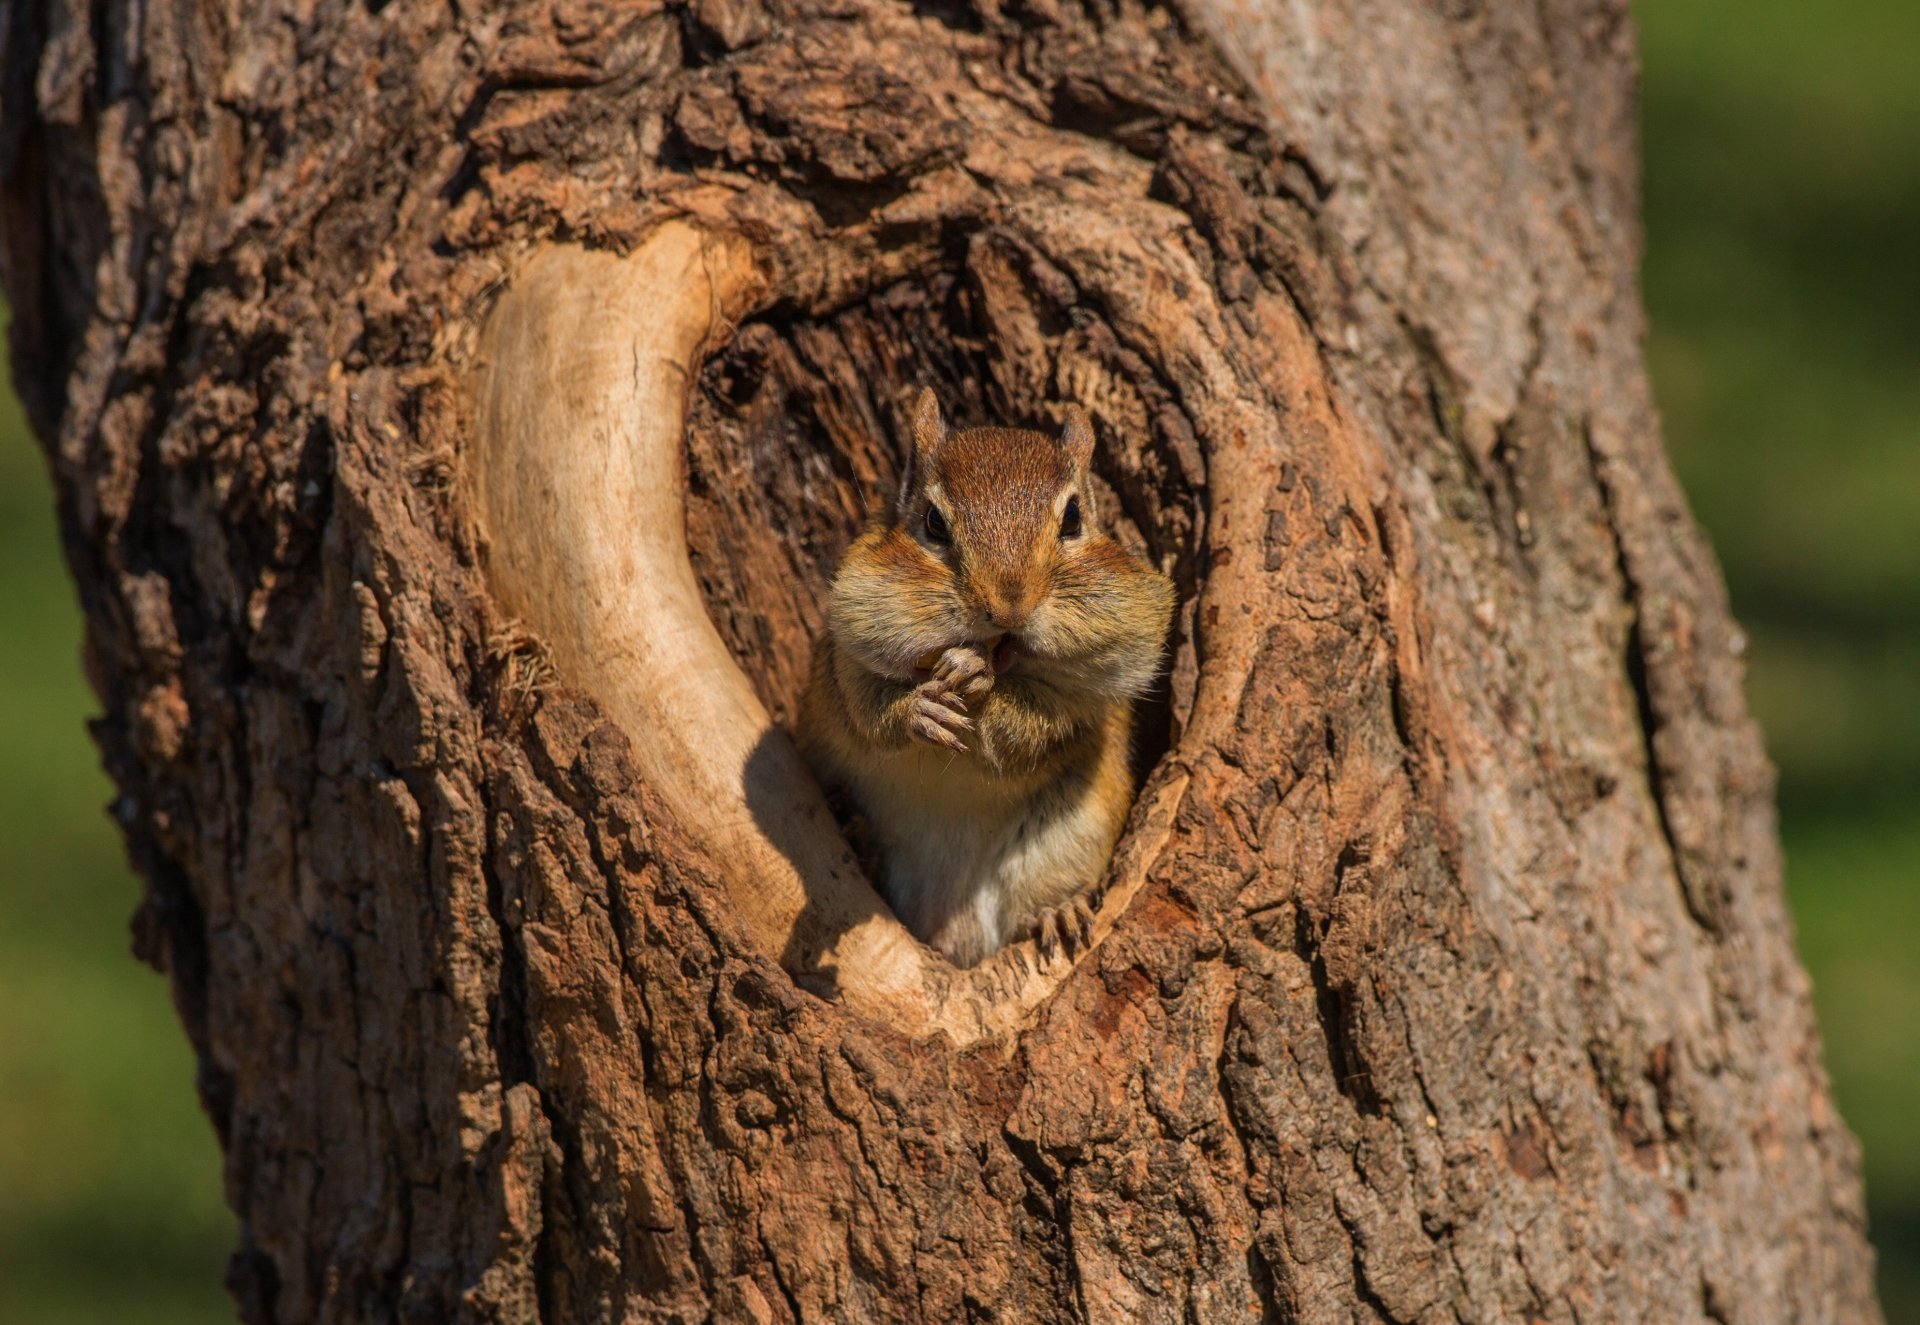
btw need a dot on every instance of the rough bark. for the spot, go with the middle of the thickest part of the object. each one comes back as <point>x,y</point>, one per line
<point>1458,984</point>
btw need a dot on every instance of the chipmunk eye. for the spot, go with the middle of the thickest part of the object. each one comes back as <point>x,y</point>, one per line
<point>1070,519</point>
<point>937,530</point>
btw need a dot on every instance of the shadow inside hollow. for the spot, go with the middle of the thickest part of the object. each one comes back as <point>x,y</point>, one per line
<point>791,810</point>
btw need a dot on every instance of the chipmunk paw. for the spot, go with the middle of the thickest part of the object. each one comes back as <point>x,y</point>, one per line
<point>1068,925</point>
<point>965,671</point>
<point>940,717</point>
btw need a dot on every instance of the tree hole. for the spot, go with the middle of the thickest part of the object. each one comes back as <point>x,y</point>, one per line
<point>799,427</point>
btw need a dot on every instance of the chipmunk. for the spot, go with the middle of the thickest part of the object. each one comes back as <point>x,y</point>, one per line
<point>974,691</point>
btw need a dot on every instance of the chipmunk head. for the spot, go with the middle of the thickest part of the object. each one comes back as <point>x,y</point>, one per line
<point>994,542</point>
<point>1000,508</point>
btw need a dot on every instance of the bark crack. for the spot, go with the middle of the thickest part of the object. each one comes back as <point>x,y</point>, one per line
<point>1638,664</point>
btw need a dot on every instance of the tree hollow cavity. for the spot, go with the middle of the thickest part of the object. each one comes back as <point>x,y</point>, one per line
<point>664,482</point>
<point>799,426</point>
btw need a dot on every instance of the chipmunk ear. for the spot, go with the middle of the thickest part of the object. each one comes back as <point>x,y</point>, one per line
<point>928,429</point>
<point>928,432</point>
<point>1076,440</point>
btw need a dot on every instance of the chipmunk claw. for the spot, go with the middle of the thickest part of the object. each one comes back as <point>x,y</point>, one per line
<point>1068,926</point>
<point>939,717</point>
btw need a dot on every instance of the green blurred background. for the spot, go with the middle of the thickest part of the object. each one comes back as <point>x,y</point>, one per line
<point>1782,144</point>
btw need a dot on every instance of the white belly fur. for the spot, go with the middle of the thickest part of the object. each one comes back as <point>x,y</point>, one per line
<point>970,875</point>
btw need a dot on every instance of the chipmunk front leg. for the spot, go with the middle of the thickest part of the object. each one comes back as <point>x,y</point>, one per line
<point>889,713</point>
<point>940,716</point>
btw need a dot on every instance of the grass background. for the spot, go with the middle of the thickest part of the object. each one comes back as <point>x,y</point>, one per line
<point>1782,145</point>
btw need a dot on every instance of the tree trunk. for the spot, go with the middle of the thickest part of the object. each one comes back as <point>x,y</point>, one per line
<point>1446,975</point>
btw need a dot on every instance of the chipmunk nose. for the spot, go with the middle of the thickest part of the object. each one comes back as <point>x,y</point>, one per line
<point>1009,606</point>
